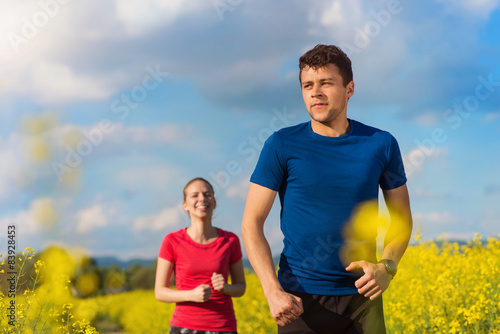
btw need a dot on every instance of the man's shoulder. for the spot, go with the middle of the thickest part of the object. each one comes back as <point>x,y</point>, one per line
<point>367,130</point>
<point>286,135</point>
<point>294,130</point>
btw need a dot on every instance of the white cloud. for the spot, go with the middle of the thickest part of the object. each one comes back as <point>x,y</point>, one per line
<point>337,13</point>
<point>91,218</point>
<point>23,157</point>
<point>140,16</point>
<point>9,156</point>
<point>163,134</point>
<point>427,119</point>
<point>418,158</point>
<point>58,82</point>
<point>84,45</point>
<point>437,223</point>
<point>169,217</point>
<point>333,14</point>
<point>108,138</point>
<point>41,216</point>
<point>50,82</point>
<point>239,190</point>
<point>426,193</point>
<point>31,48</point>
<point>53,54</point>
<point>480,8</point>
<point>443,218</point>
<point>24,221</point>
<point>491,117</point>
<point>453,235</point>
<point>11,21</point>
<point>155,178</point>
<point>116,133</point>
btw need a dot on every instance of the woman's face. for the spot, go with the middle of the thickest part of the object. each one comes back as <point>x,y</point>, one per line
<point>200,200</point>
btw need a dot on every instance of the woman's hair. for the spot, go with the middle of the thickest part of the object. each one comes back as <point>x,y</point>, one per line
<point>322,55</point>
<point>194,180</point>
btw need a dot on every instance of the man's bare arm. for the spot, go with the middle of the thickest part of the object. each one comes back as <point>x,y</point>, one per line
<point>284,307</point>
<point>376,279</point>
<point>399,232</point>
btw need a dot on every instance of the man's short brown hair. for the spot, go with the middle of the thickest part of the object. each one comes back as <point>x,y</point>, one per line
<point>322,55</point>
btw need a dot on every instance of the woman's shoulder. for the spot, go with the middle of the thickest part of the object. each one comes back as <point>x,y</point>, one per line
<point>227,234</point>
<point>176,234</point>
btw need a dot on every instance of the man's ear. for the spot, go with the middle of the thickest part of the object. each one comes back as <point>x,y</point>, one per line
<point>350,89</point>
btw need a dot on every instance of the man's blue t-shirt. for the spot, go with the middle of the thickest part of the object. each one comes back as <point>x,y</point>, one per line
<point>320,181</point>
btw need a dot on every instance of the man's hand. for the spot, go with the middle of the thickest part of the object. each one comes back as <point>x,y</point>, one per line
<point>375,280</point>
<point>218,282</point>
<point>284,307</point>
<point>201,293</point>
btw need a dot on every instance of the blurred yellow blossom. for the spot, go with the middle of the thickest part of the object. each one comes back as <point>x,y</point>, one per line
<point>441,287</point>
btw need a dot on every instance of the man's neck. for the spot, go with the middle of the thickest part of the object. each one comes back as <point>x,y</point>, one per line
<point>336,128</point>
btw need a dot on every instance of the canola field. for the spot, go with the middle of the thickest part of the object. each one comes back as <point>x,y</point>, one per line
<point>440,287</point>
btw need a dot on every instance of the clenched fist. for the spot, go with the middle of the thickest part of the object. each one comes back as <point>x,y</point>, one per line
<point>201,293</point>
<point>218,282</point>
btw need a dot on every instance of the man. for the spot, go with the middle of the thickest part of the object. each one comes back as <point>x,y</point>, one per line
<point>326,171</point>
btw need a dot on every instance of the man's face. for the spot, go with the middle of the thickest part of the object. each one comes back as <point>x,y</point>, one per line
<point>324,93</point>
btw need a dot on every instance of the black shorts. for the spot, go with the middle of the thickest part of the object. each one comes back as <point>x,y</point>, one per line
<point>352,314</point>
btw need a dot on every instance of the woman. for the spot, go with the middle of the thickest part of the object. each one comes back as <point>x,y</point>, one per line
<point>202,257</point>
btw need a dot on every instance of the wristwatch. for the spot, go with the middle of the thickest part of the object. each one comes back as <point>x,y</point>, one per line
<point>390,266</point>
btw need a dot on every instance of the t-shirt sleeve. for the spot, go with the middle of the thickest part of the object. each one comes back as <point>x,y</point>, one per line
<point>394,174</point>
<point>271,167</point>
<point>236,254</point>
<point>166,249</point>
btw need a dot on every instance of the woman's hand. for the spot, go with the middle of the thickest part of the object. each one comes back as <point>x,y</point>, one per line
<point>218,282</point>
<point>201,293</point>
<point>237,286</point>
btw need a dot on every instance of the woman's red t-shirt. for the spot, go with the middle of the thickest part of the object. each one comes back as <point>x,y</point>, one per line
<point>194,264</point>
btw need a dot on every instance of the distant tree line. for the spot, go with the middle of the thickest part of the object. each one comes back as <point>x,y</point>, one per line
<point>90,280</point>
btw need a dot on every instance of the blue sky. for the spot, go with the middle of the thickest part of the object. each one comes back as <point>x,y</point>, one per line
<point>109,107</point>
